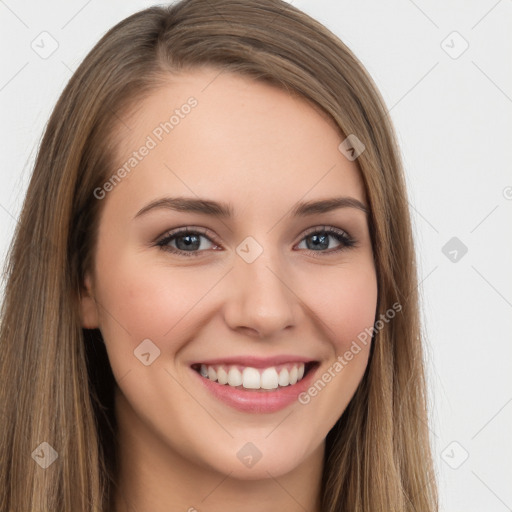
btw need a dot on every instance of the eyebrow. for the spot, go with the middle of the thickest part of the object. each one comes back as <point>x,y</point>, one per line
<point>224,210</point>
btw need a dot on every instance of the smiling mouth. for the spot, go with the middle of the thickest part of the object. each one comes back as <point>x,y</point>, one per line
<point>248,378</point>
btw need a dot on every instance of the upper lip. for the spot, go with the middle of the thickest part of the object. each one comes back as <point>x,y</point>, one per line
<point>256,362</point>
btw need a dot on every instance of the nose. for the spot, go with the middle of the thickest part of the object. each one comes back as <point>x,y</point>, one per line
<point>261,299</point>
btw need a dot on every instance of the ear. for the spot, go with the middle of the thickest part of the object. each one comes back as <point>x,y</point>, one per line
<point>88,308</point>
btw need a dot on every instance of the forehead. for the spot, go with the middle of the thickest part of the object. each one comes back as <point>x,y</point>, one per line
<point>223,135</point>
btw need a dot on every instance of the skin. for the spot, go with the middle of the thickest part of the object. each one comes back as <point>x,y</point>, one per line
<point>262,150</point>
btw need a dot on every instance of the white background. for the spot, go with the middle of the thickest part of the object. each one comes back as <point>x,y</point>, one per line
<point>453,118</point>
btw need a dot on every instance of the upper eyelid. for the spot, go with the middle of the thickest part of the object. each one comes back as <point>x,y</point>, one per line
<point>184,231</point>
<point>314,229</point>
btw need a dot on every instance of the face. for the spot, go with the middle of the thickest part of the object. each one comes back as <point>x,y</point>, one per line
<point>219,336</point>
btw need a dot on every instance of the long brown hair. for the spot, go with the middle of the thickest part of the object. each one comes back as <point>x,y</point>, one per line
<point>57,386</point>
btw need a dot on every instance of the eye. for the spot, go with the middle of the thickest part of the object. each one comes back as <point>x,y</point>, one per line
<point>189,241</point>
<point>185,241</point>
<point>317,240</point>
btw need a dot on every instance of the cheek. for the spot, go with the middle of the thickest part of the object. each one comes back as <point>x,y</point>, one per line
<point>348,310</point>
<point>346,302</point>
<point>141,301</point>
<point>150,301</point>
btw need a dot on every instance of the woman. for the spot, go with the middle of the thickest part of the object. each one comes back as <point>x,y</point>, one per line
<point>211,295</point>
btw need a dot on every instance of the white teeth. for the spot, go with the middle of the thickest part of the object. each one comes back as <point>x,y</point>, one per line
<point>222,375</point>
<point>293,375</point>
<point>253,378</point>
<point>284,377</point>
<point>212,374</point>
<point>269,379</point>
<point>234,377</point>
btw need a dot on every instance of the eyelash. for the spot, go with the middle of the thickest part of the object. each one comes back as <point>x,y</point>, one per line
<point>341,236</point>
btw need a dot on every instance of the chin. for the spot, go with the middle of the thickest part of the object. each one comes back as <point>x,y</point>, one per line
<point>260,460</point>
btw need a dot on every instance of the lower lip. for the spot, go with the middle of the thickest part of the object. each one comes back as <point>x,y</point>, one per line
<point>257,401</point>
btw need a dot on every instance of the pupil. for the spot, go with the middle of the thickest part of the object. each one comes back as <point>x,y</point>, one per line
<point>192,241</point>
<point>319,240</point>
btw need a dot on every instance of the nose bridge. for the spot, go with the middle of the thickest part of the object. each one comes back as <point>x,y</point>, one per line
<point>261,297</point>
